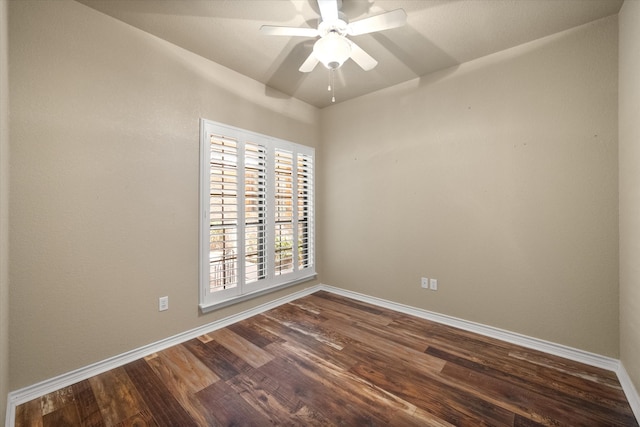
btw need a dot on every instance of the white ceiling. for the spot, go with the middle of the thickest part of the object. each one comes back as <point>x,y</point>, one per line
<point>438,34</point>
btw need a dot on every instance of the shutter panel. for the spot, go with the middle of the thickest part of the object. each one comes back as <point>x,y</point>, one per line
<point>223,214</point>
<point>255,212</point>
<point>283,250</point>
<point>305,211</point>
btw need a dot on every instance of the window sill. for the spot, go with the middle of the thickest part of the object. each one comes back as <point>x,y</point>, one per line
<point>206,308</point>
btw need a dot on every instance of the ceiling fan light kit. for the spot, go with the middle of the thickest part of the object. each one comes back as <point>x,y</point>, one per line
<point>332,50</point>
<point>333,47</point>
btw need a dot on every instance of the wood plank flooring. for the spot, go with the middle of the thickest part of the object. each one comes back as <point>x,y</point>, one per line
<point>326,360</point>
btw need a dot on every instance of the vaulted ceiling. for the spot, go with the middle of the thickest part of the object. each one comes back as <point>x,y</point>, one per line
<point>439,34</point>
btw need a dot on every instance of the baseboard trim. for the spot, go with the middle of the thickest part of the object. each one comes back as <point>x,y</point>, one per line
<point>629,390</point>
<point>26,394</point>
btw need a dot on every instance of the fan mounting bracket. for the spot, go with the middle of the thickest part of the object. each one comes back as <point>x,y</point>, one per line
<point>339,26</point>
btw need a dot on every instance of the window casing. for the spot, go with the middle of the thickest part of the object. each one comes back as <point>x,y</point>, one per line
<point>257,214</point>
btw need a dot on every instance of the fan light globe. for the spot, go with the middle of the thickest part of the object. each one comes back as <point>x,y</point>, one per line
<point>332,50</point>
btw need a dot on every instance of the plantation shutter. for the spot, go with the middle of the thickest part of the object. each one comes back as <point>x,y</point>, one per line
<point>223,208</point>
<point>284,247</point>
<point>305,211</point>
<point>255,212</point>
<point>257,226</point>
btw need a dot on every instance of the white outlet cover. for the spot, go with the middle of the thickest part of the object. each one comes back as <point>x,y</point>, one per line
<point>163,303</point>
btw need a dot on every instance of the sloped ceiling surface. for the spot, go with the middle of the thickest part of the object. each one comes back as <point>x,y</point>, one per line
<point>438,34</point>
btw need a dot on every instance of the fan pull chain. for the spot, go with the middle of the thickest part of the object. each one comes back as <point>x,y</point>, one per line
<point>332,84</point>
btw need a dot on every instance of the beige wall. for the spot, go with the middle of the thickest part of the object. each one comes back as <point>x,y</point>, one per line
<point>498,178</point>
<point>104,146</point>
<point>629,113</point>
<point>4,211</point>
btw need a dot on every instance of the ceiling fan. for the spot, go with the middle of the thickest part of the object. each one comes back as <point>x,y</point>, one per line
<point>333,47</point>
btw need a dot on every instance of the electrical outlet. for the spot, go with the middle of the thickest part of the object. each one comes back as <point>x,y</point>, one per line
<point>425,283</point>
<point>433,284</point>
<point>163,303</point>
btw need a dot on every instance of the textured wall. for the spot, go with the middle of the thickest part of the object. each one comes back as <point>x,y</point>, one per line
<point>498,177</point>
<point>104,202</point>
<point>629,106</point>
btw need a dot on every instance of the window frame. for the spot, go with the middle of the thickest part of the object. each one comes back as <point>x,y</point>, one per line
<point>303,159</point>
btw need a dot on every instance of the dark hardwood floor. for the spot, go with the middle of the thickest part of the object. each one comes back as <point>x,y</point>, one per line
<point>326,360</point>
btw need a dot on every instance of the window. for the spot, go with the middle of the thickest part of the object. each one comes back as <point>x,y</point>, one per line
<point>257,214</point>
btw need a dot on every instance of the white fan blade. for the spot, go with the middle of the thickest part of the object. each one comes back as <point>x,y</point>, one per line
<point>288,31</point>
<point>362,58</point>
<point>385,21</point>
<point>328,10</point>
<point>309,64</point>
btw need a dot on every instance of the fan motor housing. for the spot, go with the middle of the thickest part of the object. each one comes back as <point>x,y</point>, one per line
<point>339,26</point>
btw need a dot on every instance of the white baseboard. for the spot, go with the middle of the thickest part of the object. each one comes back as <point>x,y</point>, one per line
<point>26,394</point>
<point>629,390</point>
